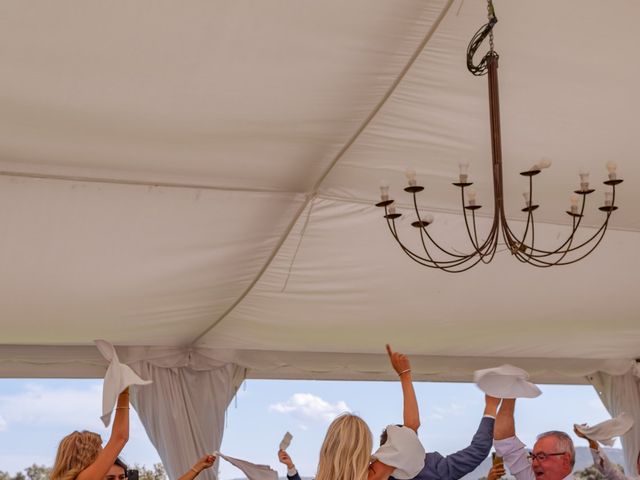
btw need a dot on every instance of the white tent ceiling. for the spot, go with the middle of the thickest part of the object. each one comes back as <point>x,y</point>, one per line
<point>202,176</point>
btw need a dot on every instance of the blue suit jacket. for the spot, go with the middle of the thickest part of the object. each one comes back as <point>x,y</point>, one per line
<point>457,465</point>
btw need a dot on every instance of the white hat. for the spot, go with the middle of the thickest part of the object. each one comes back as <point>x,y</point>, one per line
<point>604,432</point>
<point>403,451</point>
<point>505,381</point>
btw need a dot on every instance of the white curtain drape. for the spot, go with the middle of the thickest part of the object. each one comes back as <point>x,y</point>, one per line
<point>621,393</point>
<point>183,411</point>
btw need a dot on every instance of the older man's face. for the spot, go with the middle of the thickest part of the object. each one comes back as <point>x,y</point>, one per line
<point>553,467</point>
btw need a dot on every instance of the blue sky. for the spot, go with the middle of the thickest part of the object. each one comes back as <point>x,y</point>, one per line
<point>36,414</point>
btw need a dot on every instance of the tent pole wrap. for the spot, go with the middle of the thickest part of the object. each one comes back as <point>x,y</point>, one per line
<point>183,411</point>
<point>621,393</point>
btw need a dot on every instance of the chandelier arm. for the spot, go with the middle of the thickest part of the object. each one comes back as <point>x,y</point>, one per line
<point>415,205</point>
<point>569,240</point>
<point>589,240</point>
<point>478,249</point>
<point>578,247</point>
<point>411,254</point>
<point>543,264</point>
<point>484,251</point>
<point>451,263</point>
<point>450,268</point>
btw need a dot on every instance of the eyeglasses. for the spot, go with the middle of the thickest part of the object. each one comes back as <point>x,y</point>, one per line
<point>542,456</point>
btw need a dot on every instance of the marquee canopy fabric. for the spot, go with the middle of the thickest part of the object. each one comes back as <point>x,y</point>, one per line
<point>195,183</point>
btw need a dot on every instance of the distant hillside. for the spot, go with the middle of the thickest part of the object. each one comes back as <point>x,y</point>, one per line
<point>583,460</point>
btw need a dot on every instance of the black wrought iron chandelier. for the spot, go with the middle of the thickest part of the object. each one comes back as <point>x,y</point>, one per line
<point>523,248</point>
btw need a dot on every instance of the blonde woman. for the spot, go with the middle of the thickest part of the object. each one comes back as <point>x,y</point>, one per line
<point>80,454</point>
<point>346,451</point>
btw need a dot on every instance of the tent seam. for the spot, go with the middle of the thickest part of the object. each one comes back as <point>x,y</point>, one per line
<point>316,186</point>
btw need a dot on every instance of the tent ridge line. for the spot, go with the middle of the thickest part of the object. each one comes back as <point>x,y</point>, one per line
<point>316,186</point>
<point>140,183</point>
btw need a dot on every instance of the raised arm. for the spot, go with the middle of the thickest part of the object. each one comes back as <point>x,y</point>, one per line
<point>505,423</point>
<point>508,446</point>
<point>464,461</point>
<point>410,411</point>
<point>601,461</point>
<point>292,472</point>
<point>205,462</point>
<point>118,439</point>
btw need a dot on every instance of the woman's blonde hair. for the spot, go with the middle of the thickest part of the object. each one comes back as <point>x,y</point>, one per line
<point>76,452</point>
<point>346,450</point>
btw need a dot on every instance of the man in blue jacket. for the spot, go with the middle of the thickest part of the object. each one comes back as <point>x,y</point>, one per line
<point>457,465</point>
<point>451,467</point>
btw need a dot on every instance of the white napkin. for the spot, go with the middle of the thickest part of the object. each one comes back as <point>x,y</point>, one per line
<point>403,451</point>
<point>604,432</point>
<point>505,381</point>
<point>286,441</point>
<point>251,470</point>
<point>117,378</point>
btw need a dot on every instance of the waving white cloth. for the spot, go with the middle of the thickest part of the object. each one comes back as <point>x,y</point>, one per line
<point>286,441</point>
<point>403,451</point>
<point>117,378</point>
<point>505,381</point>
<point>604,432</point>
<point>251,470</point>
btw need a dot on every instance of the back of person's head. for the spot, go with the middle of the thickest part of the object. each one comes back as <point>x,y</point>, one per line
<point>76,452</point>
<point>564,443</point>
<point>346,450</point>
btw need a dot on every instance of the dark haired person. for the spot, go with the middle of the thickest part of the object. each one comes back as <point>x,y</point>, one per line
<point>119,469</point>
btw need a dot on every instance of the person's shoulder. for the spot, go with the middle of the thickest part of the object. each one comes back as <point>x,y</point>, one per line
<point>432,458</point>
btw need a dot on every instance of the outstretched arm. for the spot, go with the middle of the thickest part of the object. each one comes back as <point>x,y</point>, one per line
<point>505,422</point>
<point>292,473</point>
<point>118,439</point>
<point>508,446</point>
<point>410,411</point>
<point>601,461</point>
<point>205,462</point>
<point>458,464</point>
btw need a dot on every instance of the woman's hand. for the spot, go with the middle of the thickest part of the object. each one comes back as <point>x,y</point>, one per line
<point>592,443</point>
<point>205,462</point>
<point>285,458</point>
<point>399,361</point>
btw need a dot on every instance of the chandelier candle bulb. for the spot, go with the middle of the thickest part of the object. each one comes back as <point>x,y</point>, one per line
<point>392,209</point>
<point>384,192</point>
<point>611,168</point>
<point>584,180</point>
<point>428,218</point>
<point>527,199</point>
<point>411,177</point>
<point>464,169</point>
<point>574,203</point>
<point>471,197</point>
<point>608,199</point>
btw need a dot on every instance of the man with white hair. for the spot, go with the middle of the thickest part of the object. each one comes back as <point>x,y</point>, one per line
<point>553,455</point>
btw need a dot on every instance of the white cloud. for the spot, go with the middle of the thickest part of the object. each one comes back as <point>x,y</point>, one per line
<point>307,406</point>
<point>40,406</point>
<point>454,409</point>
